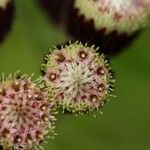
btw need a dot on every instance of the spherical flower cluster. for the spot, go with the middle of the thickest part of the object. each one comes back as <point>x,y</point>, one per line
<point>26,113</point>
<point>110,24</point>
<point>121,15</point>
<point>79,77</point>
<point>6,17</point>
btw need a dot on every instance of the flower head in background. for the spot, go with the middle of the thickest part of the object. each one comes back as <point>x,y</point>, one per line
<point>121,15</point>
<point>79,78</point>
<point>110,24</point>
<point>6,17</point>
<point>26,113</point>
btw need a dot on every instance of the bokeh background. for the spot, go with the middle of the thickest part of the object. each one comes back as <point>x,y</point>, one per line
<point>125,122</point>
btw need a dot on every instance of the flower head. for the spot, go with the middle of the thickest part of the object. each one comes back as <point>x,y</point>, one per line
<point>79,77</point>
<point>26,113</point>
<point>120,15</point>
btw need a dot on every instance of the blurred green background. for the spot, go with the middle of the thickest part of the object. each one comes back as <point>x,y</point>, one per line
<point>125,122</point>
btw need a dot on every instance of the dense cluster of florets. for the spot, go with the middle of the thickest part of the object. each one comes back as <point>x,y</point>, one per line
<point>109,24</point>
<point>79,77</point>
<point>26,113</point>
<point>121,15</point>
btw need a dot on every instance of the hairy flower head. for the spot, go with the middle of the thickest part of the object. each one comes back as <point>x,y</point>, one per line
<point>26,113</point>
<point>79,77</point>
<point>120,15</point>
